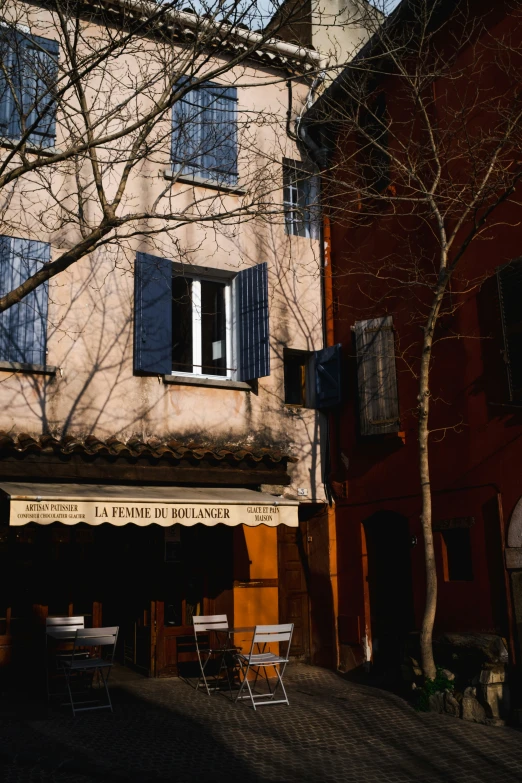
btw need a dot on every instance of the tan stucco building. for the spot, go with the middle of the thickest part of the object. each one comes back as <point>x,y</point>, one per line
<point>159,413</point>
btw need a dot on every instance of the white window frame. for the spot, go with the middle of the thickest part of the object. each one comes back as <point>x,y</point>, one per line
<point>292,208</point>
<point>291,189</point>
<point>196,329</point>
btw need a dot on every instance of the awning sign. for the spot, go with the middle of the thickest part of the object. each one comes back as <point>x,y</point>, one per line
<point>238,507</point>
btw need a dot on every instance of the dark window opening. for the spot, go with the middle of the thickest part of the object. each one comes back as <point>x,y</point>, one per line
<point>457,560</point>
<point>182,324</point>
<point>295,366</point>
<point>510,290</point>
<point>374,143</point>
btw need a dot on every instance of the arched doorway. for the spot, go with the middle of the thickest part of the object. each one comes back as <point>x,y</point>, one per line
<point>388,544</point>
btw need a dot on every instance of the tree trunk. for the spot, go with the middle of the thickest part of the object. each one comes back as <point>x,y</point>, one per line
<point>426,638</point>
<point>428,662</point>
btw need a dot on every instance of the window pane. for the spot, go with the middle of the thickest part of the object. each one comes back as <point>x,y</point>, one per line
<point>213,328</point>
<point>301,202</point>
<point>182,324</point>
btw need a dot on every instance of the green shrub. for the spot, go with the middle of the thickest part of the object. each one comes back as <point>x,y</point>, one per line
<point>440,683</point>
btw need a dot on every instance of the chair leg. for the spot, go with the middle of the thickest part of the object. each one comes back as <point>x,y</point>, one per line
<point>280,682</point>
<point>202,675</point>
<point>67,678</point>
<point>105,680</point>
<point>245,682</point>
<point>223,665</point>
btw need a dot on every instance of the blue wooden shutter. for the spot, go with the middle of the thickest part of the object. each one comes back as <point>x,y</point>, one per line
<point>152,315</point>
<point>328,377</point>
<point>32,66</point>
<point>313,211</point>
<point>9,88</point>
<point>377,377</point>
<point>253,324</point>
<point>187,123</point>
<point>39,73</point>
<point>204,133</point>
<point>219,160</point>
<point>23,327</point>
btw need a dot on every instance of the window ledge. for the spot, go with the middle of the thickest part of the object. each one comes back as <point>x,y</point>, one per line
<point>31,149</point>
<point>193,179</point>
<point>216,383</point>
<point>35,369</point>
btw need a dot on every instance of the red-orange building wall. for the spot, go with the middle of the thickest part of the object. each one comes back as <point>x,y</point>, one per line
<point>476,464</point>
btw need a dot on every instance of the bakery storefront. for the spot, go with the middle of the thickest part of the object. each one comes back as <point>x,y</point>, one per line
<point>145,557</point>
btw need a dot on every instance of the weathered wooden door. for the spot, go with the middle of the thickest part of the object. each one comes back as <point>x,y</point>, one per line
<point>293,592</point>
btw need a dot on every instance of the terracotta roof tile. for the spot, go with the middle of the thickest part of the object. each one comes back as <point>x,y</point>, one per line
<point>134,447</point>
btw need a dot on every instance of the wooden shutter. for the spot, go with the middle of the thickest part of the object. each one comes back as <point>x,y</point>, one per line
<point>510,294</point>
<point>9,118</point>
<point>23,327</point>
<point>377,378</point>
<point>204,133</point>
<point>152,315</point>
<point>328,377</point>
<point>31,63</point>
<point>252,323</point>
<point>39,69</point>
<point>313,210</point>
<point>219,159</point>
<point>187,123</point>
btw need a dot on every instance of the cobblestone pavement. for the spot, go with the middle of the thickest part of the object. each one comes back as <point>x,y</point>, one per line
<point>162,730</point>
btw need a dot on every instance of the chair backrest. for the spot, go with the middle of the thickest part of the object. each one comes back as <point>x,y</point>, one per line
<point>266,634</point>
<point>65,623</point>
<point>97,637</point>
<point>210,622</point>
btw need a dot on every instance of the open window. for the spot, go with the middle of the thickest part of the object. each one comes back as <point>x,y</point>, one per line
<point>313,378</point>
<point>210,325</point>
<point>297,378</point>
<point>202,326</point>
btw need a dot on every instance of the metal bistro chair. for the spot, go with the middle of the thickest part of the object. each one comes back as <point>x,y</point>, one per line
<point>259,661</point>
<point>104,639</point>
<point>60,624</point>
<point>205,625</point>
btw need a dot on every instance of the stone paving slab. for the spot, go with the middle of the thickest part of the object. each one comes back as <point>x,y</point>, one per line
<point>162,730</point>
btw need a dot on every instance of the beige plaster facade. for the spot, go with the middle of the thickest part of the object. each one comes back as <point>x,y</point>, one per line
<point>94,390</point>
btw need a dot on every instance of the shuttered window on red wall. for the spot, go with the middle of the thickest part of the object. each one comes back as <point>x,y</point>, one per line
<point>377,377</point>
<point>509,279</point>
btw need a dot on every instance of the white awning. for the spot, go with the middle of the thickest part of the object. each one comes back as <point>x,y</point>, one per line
<point>95,504</point>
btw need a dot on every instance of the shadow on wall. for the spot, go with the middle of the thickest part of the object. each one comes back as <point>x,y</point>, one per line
<point>90,334</point>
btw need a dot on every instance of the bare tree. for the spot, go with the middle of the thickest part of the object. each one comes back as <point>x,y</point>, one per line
<point>427,128</point>
<point>91,96</point>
